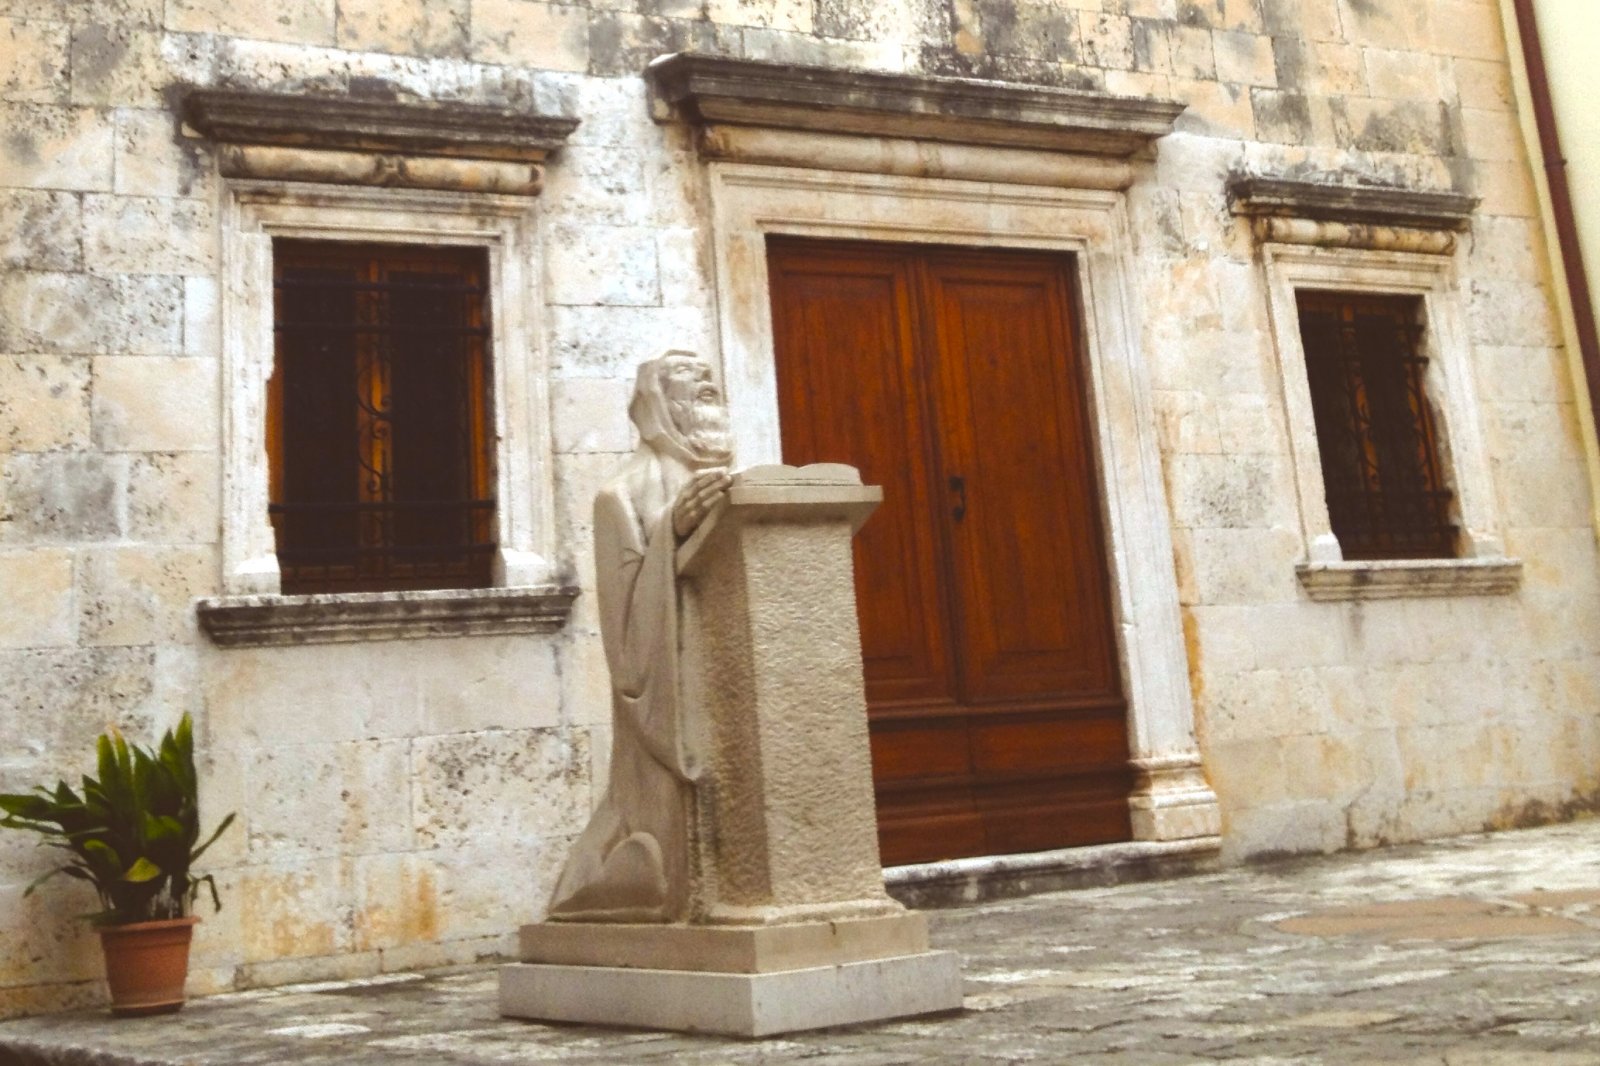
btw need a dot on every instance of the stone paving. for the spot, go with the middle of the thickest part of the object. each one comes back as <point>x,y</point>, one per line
<point>1478,951</point>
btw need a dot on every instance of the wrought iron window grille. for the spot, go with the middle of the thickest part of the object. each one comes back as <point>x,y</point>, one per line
<point>378,420</point>
<point>1367,367</point>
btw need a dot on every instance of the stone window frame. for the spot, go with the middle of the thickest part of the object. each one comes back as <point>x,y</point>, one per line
<point>1482,567</point>
<point>525,596</point>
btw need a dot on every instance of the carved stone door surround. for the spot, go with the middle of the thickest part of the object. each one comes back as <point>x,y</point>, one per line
<point>882,157</point>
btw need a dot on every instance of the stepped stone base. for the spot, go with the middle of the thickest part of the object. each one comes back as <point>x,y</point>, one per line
<point>734,1004</point>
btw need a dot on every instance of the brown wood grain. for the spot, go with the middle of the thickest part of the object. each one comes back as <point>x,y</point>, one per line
<point>998,722</point>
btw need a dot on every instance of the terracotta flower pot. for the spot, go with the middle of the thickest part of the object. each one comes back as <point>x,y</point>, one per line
<point>146,965</point>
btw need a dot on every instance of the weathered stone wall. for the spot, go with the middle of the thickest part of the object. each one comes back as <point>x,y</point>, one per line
<point>405,804</point>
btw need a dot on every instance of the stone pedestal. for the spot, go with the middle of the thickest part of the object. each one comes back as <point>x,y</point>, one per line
<point>790,927</point>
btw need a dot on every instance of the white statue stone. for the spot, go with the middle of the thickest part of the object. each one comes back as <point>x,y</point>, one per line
<point>729,879</point>
<point>630,864</point>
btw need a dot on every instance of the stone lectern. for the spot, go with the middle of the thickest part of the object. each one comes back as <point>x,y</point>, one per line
<point>764,911</point>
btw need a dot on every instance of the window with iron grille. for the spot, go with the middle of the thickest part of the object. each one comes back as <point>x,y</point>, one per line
<point>1387,496</point>
<point>378,417</point>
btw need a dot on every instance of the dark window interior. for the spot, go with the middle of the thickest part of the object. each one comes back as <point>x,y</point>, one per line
<point>1387,497</point>
<point>378,417</point>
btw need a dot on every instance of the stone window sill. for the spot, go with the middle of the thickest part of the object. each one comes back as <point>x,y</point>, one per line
<point>1408,578</point>
<point>341,618</point>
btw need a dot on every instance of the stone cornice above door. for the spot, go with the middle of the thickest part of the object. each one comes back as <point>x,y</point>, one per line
<point>778,113</point>
<point>352,141</point>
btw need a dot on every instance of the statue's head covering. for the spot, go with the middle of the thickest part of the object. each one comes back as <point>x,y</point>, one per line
<point>651,411</point>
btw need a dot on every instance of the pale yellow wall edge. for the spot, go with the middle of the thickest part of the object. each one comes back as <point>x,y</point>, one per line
<point>1554,20</point>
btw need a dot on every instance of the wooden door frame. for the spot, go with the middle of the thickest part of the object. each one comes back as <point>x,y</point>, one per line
<point>1171,798</point>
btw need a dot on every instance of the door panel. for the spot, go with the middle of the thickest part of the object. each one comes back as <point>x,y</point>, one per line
<point>950,378</point>
<point>1029,592</point>
<point>844,331</point>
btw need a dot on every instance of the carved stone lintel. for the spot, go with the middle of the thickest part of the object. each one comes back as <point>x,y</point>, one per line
<point>709,90</point>
<point>279,163</point>
<point>1333,215</point>
<point>410,128</point>
<point>1352,235</point>
<point>1171,799</point>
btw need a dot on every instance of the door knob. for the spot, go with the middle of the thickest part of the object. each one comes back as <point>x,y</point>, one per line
<point>958,485</point>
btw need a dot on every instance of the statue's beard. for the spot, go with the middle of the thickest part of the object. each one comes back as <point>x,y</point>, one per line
<point>705,427</point>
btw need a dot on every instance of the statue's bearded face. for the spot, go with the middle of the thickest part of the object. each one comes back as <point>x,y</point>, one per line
<point>696,404</point>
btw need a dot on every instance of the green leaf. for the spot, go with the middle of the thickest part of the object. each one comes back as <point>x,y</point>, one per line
<point>213,838</point>
<point>141,871</point>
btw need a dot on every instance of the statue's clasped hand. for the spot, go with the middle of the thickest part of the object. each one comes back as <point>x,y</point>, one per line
<point>697,499</point>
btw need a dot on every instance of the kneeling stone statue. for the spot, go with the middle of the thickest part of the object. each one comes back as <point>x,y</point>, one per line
<point>728,880</point>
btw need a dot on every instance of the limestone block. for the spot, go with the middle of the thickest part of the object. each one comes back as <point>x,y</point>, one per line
<point>142,595</point>
<point>1414,126</point>
<point>1314,20</point>
<point>599,184</point>
<point>1493,136</point>
<point>174,498</point>
<point>1244,57</point>
<point>154,404</point>
<point>396,901</point>
<point>147,235</point>
<point>310,800</point>
<point>1187,423</point>
<point>683,256</point>
<point>1467,28</point>
<point>55,147</point>
<point>1535,430</point>
<point>202,317</point>
<point>154,159</point>
<point>599,341</point>
<point>1107,40</point>
<point>1218,639</point>
<point>1245,566</point>
<point>1387,25</point>
<point>503,785</point>
<point>38,584</point>
<point>47,930</point>
<point>1505,189</point>
<point>33,60</point>
<point>1193,53</point>
<point>297,21</point>
<point>590,415</point>
<point>334,693</point>
<point>40,230</point>
<point>294,910</point>
<point>615,112</point>
<point>545,36</point>
<point>117,65</point>
<point>791,15</point>
<point>80,313</point>
<point>488,683</point>
<point>44,403</point>
<point>128,12</point>
<point>62,497</point>
<point>1225,491</point>
<point>612,265</point>
<point>1320,67</point>
<point>58,699</point>
<point>1406,75</point>
<point>1509,312</point>
<point>1284,829</point>
<point>1484,84</point>
<point>585,680</point>
<point>419,27</point>
<point>1507,248</point>
<point>1290,118</point>
<point>750,1005</point>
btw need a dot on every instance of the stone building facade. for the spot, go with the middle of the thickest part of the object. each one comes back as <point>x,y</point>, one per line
<point>409,768</point>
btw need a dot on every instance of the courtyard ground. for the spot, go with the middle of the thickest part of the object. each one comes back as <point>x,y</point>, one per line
<point>1477,951</point>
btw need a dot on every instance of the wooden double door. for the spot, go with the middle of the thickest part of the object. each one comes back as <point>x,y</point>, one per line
<point>952,378</point>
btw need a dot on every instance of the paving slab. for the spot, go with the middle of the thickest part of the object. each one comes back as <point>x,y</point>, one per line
<point>1477,951</point>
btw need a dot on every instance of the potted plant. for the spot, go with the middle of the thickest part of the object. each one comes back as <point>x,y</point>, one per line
<point>133,833</point>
